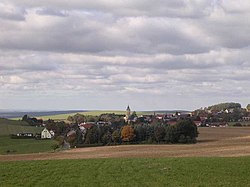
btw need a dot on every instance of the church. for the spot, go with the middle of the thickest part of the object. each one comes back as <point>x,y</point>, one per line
<point>128,114</point>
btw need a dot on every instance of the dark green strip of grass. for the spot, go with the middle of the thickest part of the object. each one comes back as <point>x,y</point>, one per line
<point>173,172</point>
<point>21,146</point>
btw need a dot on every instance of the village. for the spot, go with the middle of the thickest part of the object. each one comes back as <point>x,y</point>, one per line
<point>111,129</point>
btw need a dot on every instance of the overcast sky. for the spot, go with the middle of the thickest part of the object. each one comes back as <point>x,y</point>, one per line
<point>106,54</point>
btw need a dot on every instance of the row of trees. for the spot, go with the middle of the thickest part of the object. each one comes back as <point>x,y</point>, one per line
<point>183,132</point>
<point>114,119</point>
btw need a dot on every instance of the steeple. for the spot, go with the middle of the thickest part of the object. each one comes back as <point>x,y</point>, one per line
<point>128,108</point>
<point>128,112</point>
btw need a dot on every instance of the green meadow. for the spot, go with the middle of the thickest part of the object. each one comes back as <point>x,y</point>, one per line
<point>172,172</point>
<point>88,113</point>
<point>8,127</point>
<point>21,146</point>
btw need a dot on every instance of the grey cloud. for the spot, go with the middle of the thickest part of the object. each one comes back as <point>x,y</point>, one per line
<point>172,8</point>
<point>11,12</point>
<point>52,12</point>
<point>86,32</point>
<point>174,51</point>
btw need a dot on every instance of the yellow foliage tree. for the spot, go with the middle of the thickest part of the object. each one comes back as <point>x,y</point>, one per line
<point>127,133</point>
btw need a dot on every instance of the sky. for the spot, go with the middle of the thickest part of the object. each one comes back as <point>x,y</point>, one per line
<point>106,54</point>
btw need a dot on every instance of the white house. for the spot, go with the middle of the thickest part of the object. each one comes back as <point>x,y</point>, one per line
<point>46,134</point>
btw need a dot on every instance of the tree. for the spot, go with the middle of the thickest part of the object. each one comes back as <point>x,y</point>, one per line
<point>184,131</point>
<point>187,128</point>
<point>171,135</point>
<point>140,132</point>
<point>159,133</point>
<point>77,118</point>
<point>133,115</point>
<point>72,138</point>
<point>248,107</point>
<point>107,138</point>
<point>116,136</point>
<point>25,117</point>
<point>127,133</point>
<point>92,135</point>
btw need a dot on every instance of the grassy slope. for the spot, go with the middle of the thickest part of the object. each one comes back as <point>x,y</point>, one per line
<point>12,122</point>
<point>12,127</point>
<point>21,146</point>
<point>128,172</point>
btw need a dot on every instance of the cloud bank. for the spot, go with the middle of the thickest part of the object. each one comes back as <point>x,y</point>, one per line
<point>107,54</point>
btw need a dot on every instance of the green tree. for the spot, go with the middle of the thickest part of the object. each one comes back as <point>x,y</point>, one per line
<point>171,135</point>
<point>140,132</point>
<point>107,138</point>
<point>116,136</point>
<point>159,133</point>
<point>92,135</point>
<point>184,131</point>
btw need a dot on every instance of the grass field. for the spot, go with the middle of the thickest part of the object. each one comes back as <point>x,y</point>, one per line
<point>12,122</point>
<point>220,158</point>
<point>171,172</point>
<point>88,113</point>
<point>22,146</point>
<point>12,127</point>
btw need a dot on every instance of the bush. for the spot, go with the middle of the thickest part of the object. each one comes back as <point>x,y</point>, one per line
<point>237,125</point>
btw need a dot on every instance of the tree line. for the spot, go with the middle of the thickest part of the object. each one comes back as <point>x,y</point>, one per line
<point>184,131</point>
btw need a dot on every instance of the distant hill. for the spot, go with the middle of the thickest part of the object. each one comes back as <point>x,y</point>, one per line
<point>166,111</point>
<point>18,114</point>
<point>224,106</point>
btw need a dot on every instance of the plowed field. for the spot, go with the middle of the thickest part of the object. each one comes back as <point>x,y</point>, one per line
<point>212,142</point>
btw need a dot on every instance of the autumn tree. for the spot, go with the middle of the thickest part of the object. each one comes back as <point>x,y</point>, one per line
<point>127,133</point>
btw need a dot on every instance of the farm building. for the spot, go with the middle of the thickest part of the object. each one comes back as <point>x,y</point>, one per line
<point>28,134</point>
<point>46,134</point>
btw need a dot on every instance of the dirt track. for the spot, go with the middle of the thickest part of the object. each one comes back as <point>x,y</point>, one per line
<point>219,142</point>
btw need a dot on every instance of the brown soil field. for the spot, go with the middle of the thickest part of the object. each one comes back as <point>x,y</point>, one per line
<point>212,142</point>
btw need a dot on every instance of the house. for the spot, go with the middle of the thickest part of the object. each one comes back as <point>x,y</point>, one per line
<point>26,134</point>
<point>23,135</point>
<point>86,125</point>
<point>46,134</point>
<point>197,123</point>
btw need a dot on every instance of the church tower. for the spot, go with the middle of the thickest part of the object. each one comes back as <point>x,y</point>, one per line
<point>128,113</point>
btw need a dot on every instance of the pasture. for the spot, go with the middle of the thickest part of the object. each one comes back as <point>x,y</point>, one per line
<point>22,146</point>
<point>172,172</point>
<point>8,127</point>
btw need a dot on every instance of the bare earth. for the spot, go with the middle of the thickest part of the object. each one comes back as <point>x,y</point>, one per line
<point>217,142</point>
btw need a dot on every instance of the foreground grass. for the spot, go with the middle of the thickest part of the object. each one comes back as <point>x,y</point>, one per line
<point>175,172</point>
<point>21,146</point>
